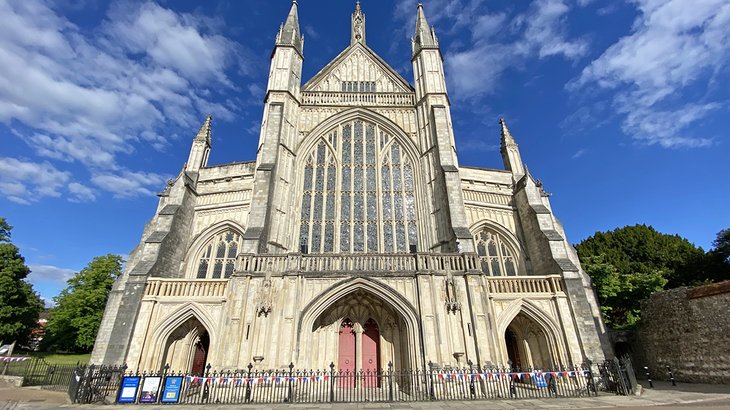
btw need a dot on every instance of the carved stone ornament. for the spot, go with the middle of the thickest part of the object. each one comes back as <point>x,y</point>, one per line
<point>264,301</point>
<point>452,303</point>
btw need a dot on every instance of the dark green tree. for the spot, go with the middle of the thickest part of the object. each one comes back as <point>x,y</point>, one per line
<point>74,322</point>
<point>19,304</point>
<point>629,263</point>
<point>620,294</point>
<point>722,246</point>
<point>717,261</point>
<point>640,249</point>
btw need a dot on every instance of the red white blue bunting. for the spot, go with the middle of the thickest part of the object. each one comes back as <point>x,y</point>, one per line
<point>255,380</point>
<point>13,359</point>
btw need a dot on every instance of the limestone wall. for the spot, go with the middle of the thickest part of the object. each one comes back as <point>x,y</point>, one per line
<point>688,329</point>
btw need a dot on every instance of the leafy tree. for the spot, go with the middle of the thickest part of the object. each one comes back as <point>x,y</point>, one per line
<point>640,249</point>
<point>620,294</point>
<point>19,304</point>
<point>716,265</point>
<point>74,322</point>
<point>629,263</point>
<point>722,246</point>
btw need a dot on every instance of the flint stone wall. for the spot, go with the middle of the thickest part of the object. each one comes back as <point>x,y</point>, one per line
<point>689,330</point>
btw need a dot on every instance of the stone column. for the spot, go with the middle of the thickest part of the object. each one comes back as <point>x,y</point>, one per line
<point>358,346</point>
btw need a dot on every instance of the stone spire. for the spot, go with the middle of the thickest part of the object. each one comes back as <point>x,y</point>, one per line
<point>204,132</point>
<point>200,148</point>
<point>358,25</point>
<point>507,138</point>
<point>289,34</point>
<point>510,152</point>
<point>425,35</point>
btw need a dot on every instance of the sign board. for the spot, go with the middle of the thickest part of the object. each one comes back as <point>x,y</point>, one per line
<point>540,380</point>
<point>128,389</point>
<point>150,389</point>
<point>171,389</point>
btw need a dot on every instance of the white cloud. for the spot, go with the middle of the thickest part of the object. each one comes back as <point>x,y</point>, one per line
<point>144,76</point>
<point>500,40</point>
<point>478,145</point>
<point>24,182</point>
<point>578,153</point>
<point>170,40</point>
<point>49,280</point>
<point>81,193</point>
<point>311,32</point>
<point>49,275</point>
<point>129,184</point>
<point>674,44</point>
<point>545,25</point>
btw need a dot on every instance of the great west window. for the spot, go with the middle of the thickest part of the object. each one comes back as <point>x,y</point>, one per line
<point>358,193</point>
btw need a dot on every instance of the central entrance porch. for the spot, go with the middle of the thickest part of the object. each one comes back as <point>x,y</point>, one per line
<point>360,333</point>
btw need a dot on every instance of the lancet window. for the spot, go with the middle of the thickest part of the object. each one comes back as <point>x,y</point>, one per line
<point>358,86</point>
<point>218,256</point>
<point>496,256</point>
<point>358,193</point>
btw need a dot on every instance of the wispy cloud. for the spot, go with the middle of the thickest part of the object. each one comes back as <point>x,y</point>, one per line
<point>91,95</point>
<point>128,184</point>
<point>500,40</point>
<point>48,280</point>
<point>478,145</point>
<point>578,153</point>
<point>311,32</point>
<point>24,182</point>
<point>674,45</point>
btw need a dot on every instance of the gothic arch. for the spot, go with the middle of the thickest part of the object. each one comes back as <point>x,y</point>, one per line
<point>322,228</point>
<point>544,322</point>
<point>504,232</point>
<point>507,236</point>
<point>325,300</point>
<point>172,322</point>
<point>202,238</point>
<point>350,115</point>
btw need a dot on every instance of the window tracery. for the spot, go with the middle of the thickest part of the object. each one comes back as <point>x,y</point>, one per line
<point>496,256</point>
<point>358,196</point>
<point>218,256</point>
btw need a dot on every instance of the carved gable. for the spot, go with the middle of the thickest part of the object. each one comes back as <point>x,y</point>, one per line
<point>360,65</point>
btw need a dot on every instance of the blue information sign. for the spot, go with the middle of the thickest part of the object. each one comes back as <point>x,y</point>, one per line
<point>171,389</point>
<point>540,380</point>
<point>128,389</point>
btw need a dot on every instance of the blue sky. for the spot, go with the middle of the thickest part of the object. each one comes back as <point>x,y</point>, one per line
<point>619,107</point>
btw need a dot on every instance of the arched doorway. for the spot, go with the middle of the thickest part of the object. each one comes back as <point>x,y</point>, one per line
<point>527,344</point>
<point>187,347</point>
<point>346,352</point>
<point>360,331</point>
<point>200,357</point>
<point>513,349</point>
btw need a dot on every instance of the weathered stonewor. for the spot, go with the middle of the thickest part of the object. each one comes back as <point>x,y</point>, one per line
<point>688,329</point>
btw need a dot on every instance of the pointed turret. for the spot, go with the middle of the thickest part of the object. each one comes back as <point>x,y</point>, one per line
<point>510,151</point>
<point>425,36</point>
<point>289,34</point>
<point>358,26</point>
<point>200,150</point>
<point>204,132</point>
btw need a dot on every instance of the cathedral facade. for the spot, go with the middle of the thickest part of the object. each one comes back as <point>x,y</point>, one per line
<point>354,238</point>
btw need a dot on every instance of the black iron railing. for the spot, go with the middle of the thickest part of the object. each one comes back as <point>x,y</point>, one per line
<point>104,384</point>
<point>37,372</point>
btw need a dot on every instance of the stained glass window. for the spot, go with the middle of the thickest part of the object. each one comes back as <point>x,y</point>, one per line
<point>218,256</point>
<point>497,257</point>
<point>358,196</point>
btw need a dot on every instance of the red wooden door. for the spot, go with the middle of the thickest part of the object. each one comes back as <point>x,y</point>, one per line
<point>346,355</point>
<point>371,354</point>
<point>200,355</point>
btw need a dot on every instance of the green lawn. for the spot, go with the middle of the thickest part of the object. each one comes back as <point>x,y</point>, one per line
<point>58,358</point>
